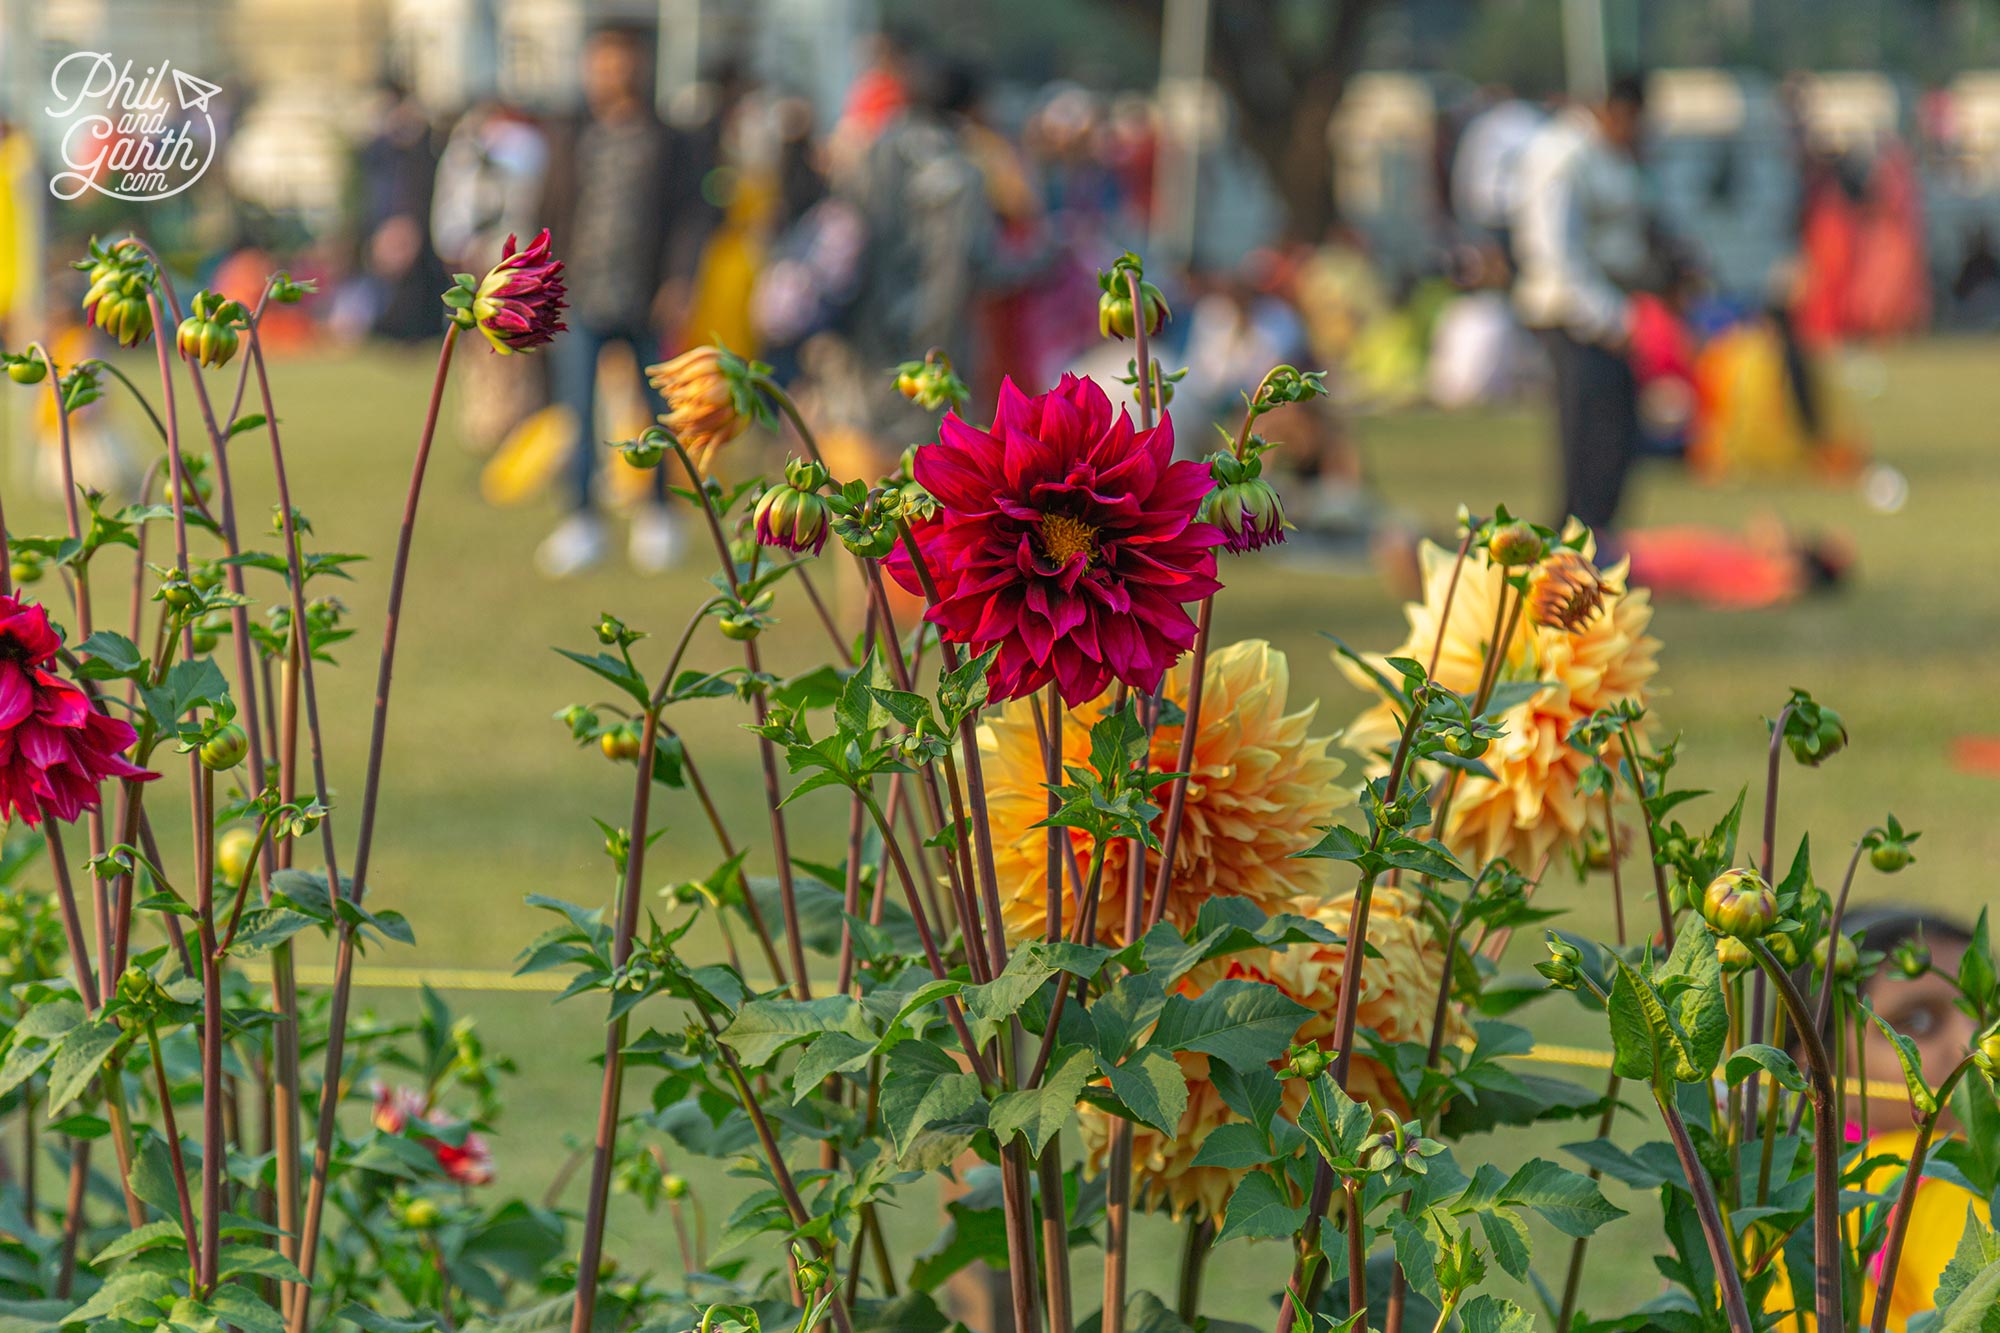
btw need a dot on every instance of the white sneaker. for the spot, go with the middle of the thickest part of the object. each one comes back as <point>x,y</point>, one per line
<point>656,539</point>
<point>577,544</point>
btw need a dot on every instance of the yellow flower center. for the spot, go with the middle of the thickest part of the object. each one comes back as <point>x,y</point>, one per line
<point>1063,537</point>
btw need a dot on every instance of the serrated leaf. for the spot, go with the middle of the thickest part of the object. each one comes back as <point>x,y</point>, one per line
<point>830,1053</point>
<point>1037,1114</point>
<point>1747,1060</point>
<point>1566,1200</point>
<point>762,1028</point>
<point>1245,1024</point>
<point>1258,1210</point>
<point>1490,1314</point>
<point>929,1105</point>
<point>78,1059</point>
<point>1234,1147</point>
<point>1152,1087</point>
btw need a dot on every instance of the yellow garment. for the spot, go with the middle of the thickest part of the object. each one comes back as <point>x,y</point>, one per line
<point>1937,1220</point>
<point>730,262</point>
<point>20,213</point>
<point>1749,420</point>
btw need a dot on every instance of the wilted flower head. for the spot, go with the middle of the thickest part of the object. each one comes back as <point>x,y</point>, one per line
<point>519,303</point>
<point>1565,590</point>
<point>56,747</point>
<point>709,402</point>
<point>1400,973</point>
<point>1530,807</point>
<point>1261,791</point>
<point>1068,538</point>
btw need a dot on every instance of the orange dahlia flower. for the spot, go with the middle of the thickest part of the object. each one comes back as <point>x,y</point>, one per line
<point>1262,790</point>
<point>1399,980</point>
<point>1530,807</point>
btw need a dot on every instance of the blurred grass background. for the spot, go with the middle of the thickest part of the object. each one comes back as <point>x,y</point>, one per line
<point>487,800</point>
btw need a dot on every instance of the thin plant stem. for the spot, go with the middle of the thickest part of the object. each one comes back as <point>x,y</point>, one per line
<point>1200,1243</point>
<point>1721,1251</point>
<point>767,752</point>
<point>1906,1197</point>
<point>1665,899</point>
<point>173,1137</point>
<point>1827,1293</point>
<point>1753,1086</point>
<point>343,970</point>
<point>1055,1236</point>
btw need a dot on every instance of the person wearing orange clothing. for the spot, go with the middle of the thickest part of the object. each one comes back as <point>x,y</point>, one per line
<point>1925,1009</point>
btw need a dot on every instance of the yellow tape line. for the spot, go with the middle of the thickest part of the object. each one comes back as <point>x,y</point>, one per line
<point>492,979</point>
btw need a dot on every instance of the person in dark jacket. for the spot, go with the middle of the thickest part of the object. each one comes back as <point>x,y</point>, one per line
<point>624,207</point>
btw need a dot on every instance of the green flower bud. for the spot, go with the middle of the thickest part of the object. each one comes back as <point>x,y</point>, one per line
<point>1733,954</point>
<point>1845,958</point>
<point>1911,958</point>
<point>794,519</point>
<point>1307,1061</point>
<point>225,749</point>
<point>1249,513</point>
<point>1986,1054</point>
<point>232,853</point>
<point>28,368</point>
<point>1740,903</point>
<point>1515,544</point>
<point>421,1215</point>
<point>1116,317</point>
<point>674,1186</point>
<point>1889,857</point>
<point>620,743</point>
<point>1564,965</point>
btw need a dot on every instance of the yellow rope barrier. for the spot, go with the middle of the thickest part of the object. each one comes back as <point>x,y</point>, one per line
<point>492,979</point>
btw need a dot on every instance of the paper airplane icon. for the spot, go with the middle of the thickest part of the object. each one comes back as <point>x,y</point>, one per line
<point>194,93</point>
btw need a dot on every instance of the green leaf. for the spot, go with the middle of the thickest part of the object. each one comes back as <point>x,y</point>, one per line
<point>1347,1121</point>
<point>108,656</point>
<point>246,423</point>
<point>1123,1012</point>
<point>256,1261</point>
<point>1490,1314</point>
<point>1976,1308</point>
<point>1507,1236</point>
<point>1416,1254</point>
<point>614,670</point>
<point>363,1317</point>
<point>1152,1087</point>
<point>142,1238</point>
<point>1234,1147</point>
<point>1258,1210</point>
<point>1147,1313</point>
<point>1036,1114</point>
<point>762,1028</point>
<point>930,1106</point>
<point>1567,1201</point>
<point>830,1053</point>
<point>265,928</point>
<point>1027,972</point>
<point>238,1304</point>
<point>1245,1024</point>
<point>79,1058</point>
<point>1748,1059</point>
<point>1921,1097</point>
<point>1978,1247</point>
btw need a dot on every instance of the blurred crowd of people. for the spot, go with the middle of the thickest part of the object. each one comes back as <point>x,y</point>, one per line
<point>937,210</point>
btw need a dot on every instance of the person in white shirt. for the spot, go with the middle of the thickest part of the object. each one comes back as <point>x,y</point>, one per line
<point>1580,247</point>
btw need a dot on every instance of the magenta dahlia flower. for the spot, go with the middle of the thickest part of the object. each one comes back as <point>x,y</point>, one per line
<point>1067,537</point>
<point>56,747</point>
<point>519,304</point>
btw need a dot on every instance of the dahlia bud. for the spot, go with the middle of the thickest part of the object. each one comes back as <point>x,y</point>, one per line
<point>1814,732</point>
<point>795,516</point>
<point>1564,967</point>
<point>1986,1054</point>
<point>741,626</point>
<point>1514,544</point>
<point>1912,958</point>
<point>421,1215</point>
<point>1116,317</point>
<point>1463,742</point>
<point>808,1270</point>
<point>1890,856</point>
<point>135,986</point>
<point>1733,954</point>
<point>620,742</point>
<point>1243,504</point>
<point>674,1186</point>
<point>232,853</point>
<point>648,450</point>
<point>225,749</point>
<point>26,567</point>
<point>708,402</point>
<point>1307,1061</point>
<point>1565,591</point>
<point>116,303</point>
<point>1845,957</point>
<point>1596,848</point>
<point>1740,903</point>
<point>931,383</point>
<point>518,305</point>
<point>27,368</point>
<point>208,334</point>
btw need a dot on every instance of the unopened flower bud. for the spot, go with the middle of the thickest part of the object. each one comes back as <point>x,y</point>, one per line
<point>1515,544</point>
<point>1986,1054</point>
<point>28,368</point>
<point>795,516</point>
<point>1249,513</point>
<point>620,742</point>
<point>1306,1061</point>
<point>1733,954</point>
<point>1912,958</point>
<point>930,383</point>
<point>1116,317</point>
<point>1890,856</point>
<point>421,1215</point>
<point>741,626</point>
<point>674,1186</point>
<point>1845,958</point>
<point>225,749</point>
<point>232,853</point>
<point>1564,967</point>
<point>1740,903</point>
<point>518,305</point>
<point>647,450</point>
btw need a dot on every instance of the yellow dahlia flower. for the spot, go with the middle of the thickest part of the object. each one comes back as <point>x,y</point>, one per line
<point>1262,790</point>
<point>1399,981</point>
<point>1530,808</point>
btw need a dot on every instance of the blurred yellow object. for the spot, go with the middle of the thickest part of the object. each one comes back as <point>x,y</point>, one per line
<point>536,451</point>
<point>720,309</point>
<point>529,458</point>
<point>1749,421</point>
<point>1937,1220</point>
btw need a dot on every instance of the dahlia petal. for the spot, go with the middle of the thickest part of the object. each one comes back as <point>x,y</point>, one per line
<point>17,695</point>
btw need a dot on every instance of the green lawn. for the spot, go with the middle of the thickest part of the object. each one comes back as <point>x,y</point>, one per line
<point>487,800</point>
